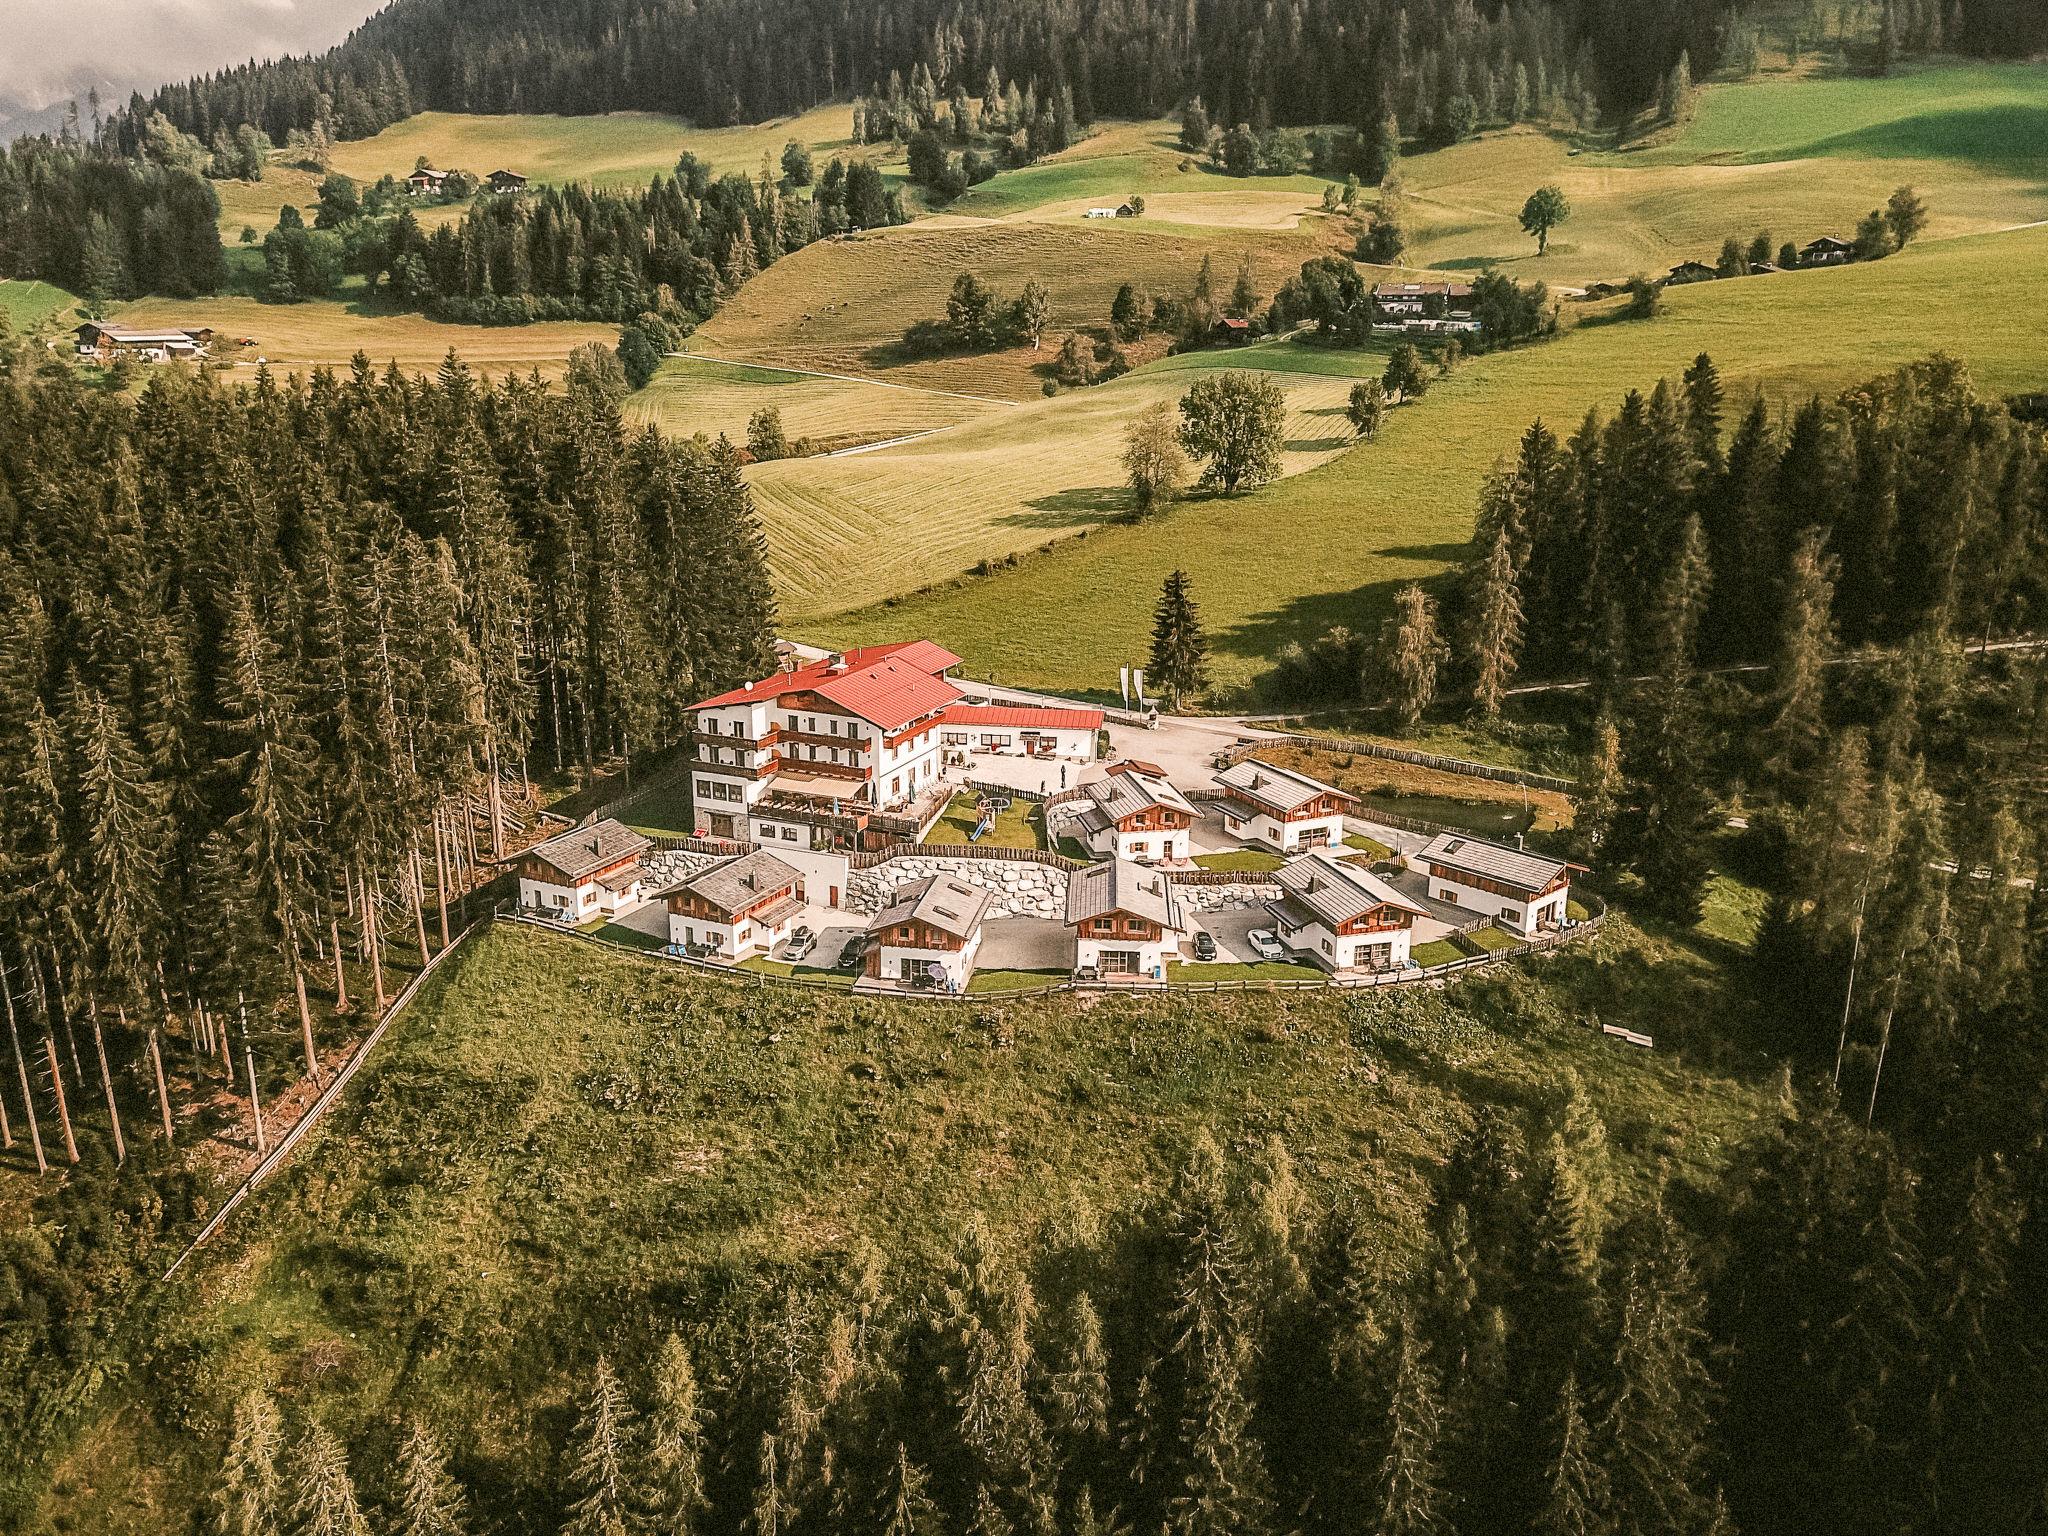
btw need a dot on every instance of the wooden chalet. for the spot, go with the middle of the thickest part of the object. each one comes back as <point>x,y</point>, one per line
<point>1136,813</point>
<point>505,181</point>
<point>744,906</point>
<point>1285,810</point>
<point>1519,890</point>
<point>1341,915</point>
<point>930,931</point>
<point>583,873</point>
<point>1126,920</point>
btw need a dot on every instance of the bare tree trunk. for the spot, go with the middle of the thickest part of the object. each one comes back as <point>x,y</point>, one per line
<point>1884,1041</point>
<point>249,1060</point>
<point>305,1016</point>
<point>418,897</point>
<point>1849,992</point>
<point>340,976</point>
<point>28,1098</point>
<point>163,1092</point>
<point>64,1013</point>
<point>372,947</point>
<point>441,875</point>
<point>6,1126</point>
<point>57,1087</point>
<point>99,1041</point>
<point>497,801</point>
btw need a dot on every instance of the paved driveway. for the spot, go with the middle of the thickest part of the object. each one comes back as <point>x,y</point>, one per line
<point>1229,929</point>
<point>1025,944</point>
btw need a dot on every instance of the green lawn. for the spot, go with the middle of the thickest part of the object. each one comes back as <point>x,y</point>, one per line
<point>1733,909</point>
<point>1022,825</point>
<point>1436,952</point>
<point>1251,860</point>
<point>1013,981</point>
<point>1370,847</point>
<point>1242,970</point>
<point>1400,508</point>
<point>620,933</point>
<point>1492,939</point>
<point>27,304</point>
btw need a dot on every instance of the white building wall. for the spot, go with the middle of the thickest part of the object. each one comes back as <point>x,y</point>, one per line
<point>570,903</point>
<point>1153,956</point>
<point>1151,847</point>
<point>1335,951</point>
<point>898,960</point>
<point>730,941</point>
<point>1009,741</point>
<point>1525,917</point>
<point>1281,836</point>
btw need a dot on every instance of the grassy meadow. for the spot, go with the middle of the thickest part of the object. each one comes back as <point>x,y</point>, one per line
<point>692,395</point>
<point>843,532</point>
<point>1330,546</point>
<point>563,1150</point>
<point>29,304</point>
<point>842,305</point>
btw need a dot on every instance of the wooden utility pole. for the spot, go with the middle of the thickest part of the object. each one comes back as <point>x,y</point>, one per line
<point>99,1041</point>
<point>28,1098</point>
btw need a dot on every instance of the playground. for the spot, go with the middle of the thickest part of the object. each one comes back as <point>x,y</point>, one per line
<point>995,821</point>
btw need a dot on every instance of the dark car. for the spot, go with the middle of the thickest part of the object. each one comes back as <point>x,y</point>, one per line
<point>1205,944</point>
<point>850,957</point>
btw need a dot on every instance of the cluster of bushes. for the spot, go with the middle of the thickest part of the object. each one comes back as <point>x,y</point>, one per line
<point>978,319</point>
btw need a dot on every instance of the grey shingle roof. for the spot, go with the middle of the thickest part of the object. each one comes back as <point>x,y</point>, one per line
<point>1118,885</point>
<point>1476,856</point>
<point>581,850</point>
<point>939,901</point>
<point>741,881</point>
<point>1126,794</point>
<point>1334,891</point>
<point>1281,788</point>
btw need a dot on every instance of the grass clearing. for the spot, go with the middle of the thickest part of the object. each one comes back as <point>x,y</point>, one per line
<point>1492,939</point>
<point>1435,952</point>
<point>664,812</point>
<point>330,332</point>
<point>693,395</point>
<point>1400,508</point>
<point>1012,981</point>
<point>29,304</point>
<point>565,1149</point>
<point>1373,849</point>
<point>847,531</point>
<point>1387,779</point>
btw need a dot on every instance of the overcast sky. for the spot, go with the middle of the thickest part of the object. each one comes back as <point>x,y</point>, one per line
<point>53,49</point>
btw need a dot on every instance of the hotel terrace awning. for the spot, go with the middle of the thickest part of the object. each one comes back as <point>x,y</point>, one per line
<point>817,786</point>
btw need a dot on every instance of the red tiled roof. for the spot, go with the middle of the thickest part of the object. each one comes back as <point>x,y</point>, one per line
<point>889,685</point>
<point>1023,717</point>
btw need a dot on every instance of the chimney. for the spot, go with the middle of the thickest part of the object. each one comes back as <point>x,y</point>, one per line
<point>836,662</point>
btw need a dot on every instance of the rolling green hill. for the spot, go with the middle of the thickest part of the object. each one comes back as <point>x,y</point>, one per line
<point>1329,547</point>
<point>561,1149</point>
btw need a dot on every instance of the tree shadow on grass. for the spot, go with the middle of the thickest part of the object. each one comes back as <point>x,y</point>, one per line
<point>1319,444</point>
<point>1085,504</point>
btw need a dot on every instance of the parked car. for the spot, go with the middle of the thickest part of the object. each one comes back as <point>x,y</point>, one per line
<point>854,951</point>
<point>1265,944</point>
<point>926,978</point>
<point>1205,944</point>
<point>801,942</point>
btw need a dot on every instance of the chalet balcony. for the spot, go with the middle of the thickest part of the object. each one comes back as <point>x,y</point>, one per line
<point>697,763</point>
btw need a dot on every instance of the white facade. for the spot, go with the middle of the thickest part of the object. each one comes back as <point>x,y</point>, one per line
<point>729,941</point>
<point>1014,741</point>
<point>1122,955</point>
<point>583,901</point>
<point>1154,847</point>
<point>1524,917</point>
<point>900,961</point>
<point>1333,951</point>
<point>1283,836</point>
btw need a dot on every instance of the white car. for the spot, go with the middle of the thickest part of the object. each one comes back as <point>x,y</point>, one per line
<point>1265,944</point>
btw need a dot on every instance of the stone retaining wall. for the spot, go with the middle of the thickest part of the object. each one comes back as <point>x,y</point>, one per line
<point>1020,889</point>
<point>667,867</point>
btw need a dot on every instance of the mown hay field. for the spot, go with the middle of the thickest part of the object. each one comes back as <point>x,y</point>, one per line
<point>1330,546</point>
<point>694,395</point>
<point>847,531</point>
<point>562,1151</point>
<point>1972,139</point>
<point>301,336</point>
<point>842,305</point>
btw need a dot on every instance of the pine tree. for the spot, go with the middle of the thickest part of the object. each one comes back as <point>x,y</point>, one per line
<point>673,1465</point>
<point>603,1500</point>
<point>323,1497</point>
<point>1180,648</point>
<point>1575,1499</point>
<point>1410,651</point>
<point>1407,1497</point>
<point>1556,1295</point>
<point>1494,625</point>
<point>1798,685</point>
<point>430,1502</point>
<point>249,1497</point>
<point>906,1509</point>
<point>1078,1385</point>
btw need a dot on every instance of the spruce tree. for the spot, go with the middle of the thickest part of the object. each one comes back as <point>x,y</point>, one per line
<point>906,1509</point>
<point>1180,648</point>
<point>673,1460</point>
<point>430,1502</point>
<point>603,1500</point>
<point>1575,1497</point>
<point>323,1496</point>
<point>1494,625</point>
<point>249,1497</point>
<point>1408,1499</point>
<point>1798,681</point>
<point>1409,652</point>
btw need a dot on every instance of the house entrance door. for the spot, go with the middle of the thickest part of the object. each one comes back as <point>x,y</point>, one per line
<point>1118,962</point>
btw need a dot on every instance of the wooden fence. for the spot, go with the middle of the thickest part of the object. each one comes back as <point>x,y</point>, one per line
<point>274,1159</point>
<point>1458,765</point>
<point>875,856</point>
